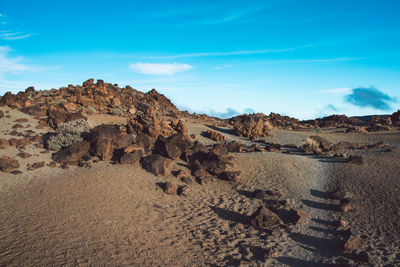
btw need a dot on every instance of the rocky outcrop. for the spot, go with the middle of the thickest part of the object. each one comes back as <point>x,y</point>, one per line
<point>73,154</point>
<point>216,136</point>
<point>251,126</point>
<point>173,146</point>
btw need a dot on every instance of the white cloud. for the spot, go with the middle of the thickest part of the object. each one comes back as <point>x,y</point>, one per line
<point>8,64</point>
<point>14,36</point>
<point>345,90</point>
<point>230,53</point>
<point>159,68</point>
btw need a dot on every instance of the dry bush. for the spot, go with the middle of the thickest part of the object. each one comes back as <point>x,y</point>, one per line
<point>67,134</point>
<point>311,146</point>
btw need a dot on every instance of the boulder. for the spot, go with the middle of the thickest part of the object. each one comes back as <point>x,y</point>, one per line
<point>8,164</point>
<point>103,148</point>
<point>157,164</point>
<point>216,136</point>
<point>58,114</point>
<point>251,126</point>
<point>171,188</point>
<point>24,155</point>
<point>234,146</point>
<point>265,218</point>
<point>73,153</point>
<point>171,147</point>
<point>131,157</point>
<point>1,114</point>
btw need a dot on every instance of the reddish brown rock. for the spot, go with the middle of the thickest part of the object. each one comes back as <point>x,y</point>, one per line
<point>53,164</point>
<point>234,146</point>
<point>3,144</point>
<point>103,148</point>
<point>36,139</point>
<point>171,188</point>
<point>7,164</point>
<point>353,244</point>
<point>216,136</point>
<point>36,165</point>
<point>59,114</point>
<point>229,176</point>
<point>12,141</point>
<point>157,164</point>
<point>73,153</point>
<point>265,218</point>
<point>24,155</point>
<point>251,126</point>
<point>22,143</point>
<point>171,147</point>
<point>1,114</point>
<point>131,157</point>
<point>22,120</point>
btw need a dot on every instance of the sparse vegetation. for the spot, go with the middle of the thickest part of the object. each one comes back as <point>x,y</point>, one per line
<point>311,146</point>
<point>67,134</point>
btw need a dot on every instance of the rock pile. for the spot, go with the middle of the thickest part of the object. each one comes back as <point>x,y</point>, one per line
<point>216,136</point>
<point>72,102</point>
<point>251,126</point>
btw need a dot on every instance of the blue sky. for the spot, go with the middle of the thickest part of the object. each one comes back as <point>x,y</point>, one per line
<point>299,58</point>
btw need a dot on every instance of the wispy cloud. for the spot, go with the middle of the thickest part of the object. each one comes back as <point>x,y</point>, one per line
<point>159,68</point>
<point>10,64</point>
<point>229,53</point>
<point>14,36</point>
<point>10,35</point>
<point>345,90</point>
<point>369,97</point>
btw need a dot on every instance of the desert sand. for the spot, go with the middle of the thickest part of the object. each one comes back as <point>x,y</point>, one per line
<point>117,215</point>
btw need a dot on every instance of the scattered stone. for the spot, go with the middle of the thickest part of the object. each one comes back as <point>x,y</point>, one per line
<point>157,164</point>
<point>53,164</point>
<point>22,143</point>
<point>171,188</point>
<point>17,125</point>
<point>3,144</point>
<point>36,139</point>
<point>347,205</point>
<point>183,190</point>
<point>193,136</point>
<point>36,165</point>
<point>203,180</point>
<point>265,218</point>
<point>16,172</point>
<point>1,114</point>
<point>12,141</point>
<point>24,155</point>
<point>258,193</point>
<point>229,176</point>
<point>187,180</point>
<point>7,164</point>
<point>22,120</point>
<point>352,245</point>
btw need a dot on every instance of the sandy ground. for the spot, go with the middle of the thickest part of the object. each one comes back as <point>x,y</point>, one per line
<point>117,215</point>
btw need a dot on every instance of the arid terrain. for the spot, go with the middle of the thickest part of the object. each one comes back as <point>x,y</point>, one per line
<point>147,185</point>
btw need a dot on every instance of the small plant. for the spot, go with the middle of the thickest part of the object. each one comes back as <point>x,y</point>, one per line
<point>311,146</point>
<point>67,134</point>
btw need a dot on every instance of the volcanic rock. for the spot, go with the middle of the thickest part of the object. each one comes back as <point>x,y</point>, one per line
<point>3,144</point>
<point>36,165</point>
<point>172,146</point>
<point>7,164</point>
<point>131,157</point>
<point>73,153</point>
<point>265,218</point>
<point>157,164</point>
<point>216,136</point>
<point>171,188</point>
